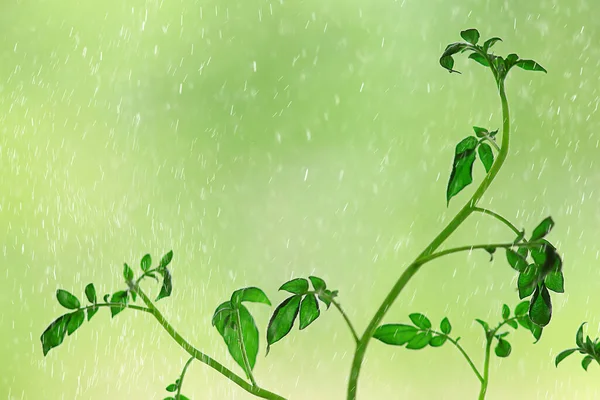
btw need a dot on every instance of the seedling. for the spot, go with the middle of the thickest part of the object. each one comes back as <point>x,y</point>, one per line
<point>535,259</point>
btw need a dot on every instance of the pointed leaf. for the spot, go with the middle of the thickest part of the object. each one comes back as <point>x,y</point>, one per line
<point>587,360</point>
<point>505,312</point>
<point>470,35</point>
<point>516,261</point>
<point>486,155</point>
<point>555,281</point>
<point>526,281</point>
<point>127,273</point>
<point>445,326</point>
<point>438,341</point>
<point>479,59</point>
<point>296,286</point>
<point>54,335</point>
<point>166,260</point>
<point>318,284</point>
<point>309,310</point>
<point>250,294</point>
<point>171,388</point>
<point>522,309</point>
<point>146,263</point>
<point>67,300</point>
<point>119,297</point>
<point>540,309</point>
<point>75,321</point>
<point>503,348</point>
<point>480,132</point>
<point>92,311</point>
<point>490,42</point>
<point>90,293</point>
<point>579,336</point>
<point>512,323</point>
<point>484,324</point>
<point>563,354</point>
<point>395,334</point>
<point>167,285</point>
<point>420,341</point>
<point>542,229</point>
<point>420,320</point>
<point>446,59</point>
<point>462,168</point>
<point>530,65</point>
<point>282,320</point>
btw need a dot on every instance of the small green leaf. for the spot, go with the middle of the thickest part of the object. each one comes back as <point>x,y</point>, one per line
<point>92,311</point>
<point>587,360</point>
<point>501,335</point>
<point>540,309</point>
<point>309,310</point>
<point>171,388</point>
<point>470,35</point>
<point>511,59</point>
<point>75,321</point>
<point>579,336</point>
<point>327,297</point>
<point>445,326</point>
<point>526,281</point>
<point>283,318</point>
<point>491,251</point>
<point>522,309</point>
<point>90,293</point>
<point>555,281</point>
<point>503,348</point>
<point>505,312</point>
<point>55,333</point>
<point>146,262</point>
<point>106,297</point>
<point>563,354</point>
<point>536,331</point>
<point>486,155</point>
<point>67,300</point>
<point>119,297</point>
<point>420,320</point>
<point>530,65</point>
<point>462,167</point>
<point>480,132</point>
<point>250,294</point>
<point>296,286</point>
<point>516,261</point>
<point>484,324</point>
<point>542,229</point>
<point>523,251</point>
<point>395,334</point>
<point>490,42</point>
<point>167,285</point>
<point>318,284</point>
<point>479,59</point>
<point>166,260</point>
<point>438,341</point>
<point>446,59</point>
<point>512,323</point>
<point>127,273</point>
<point>420,341</point>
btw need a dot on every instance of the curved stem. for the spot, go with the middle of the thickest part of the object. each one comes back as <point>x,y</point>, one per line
<point>412,269</point>
<point>180,384</point>
<point>348,322</point>
<point>120,305</point>
<point>499,217</point>
<point>243,349</point>
<point>464,353</point>
<point>198,355</point>
<point>474,247</point>
<point>486,368</point>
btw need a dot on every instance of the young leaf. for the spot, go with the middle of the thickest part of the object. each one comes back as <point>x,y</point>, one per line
<point>511,59</point>
<point>171,388</point>
<point>542,229</point>
<point>446,59</point>
<point>165,260</point>
<point>490,42</point>
<point>309,310</point>
<point>75,321</point>
<point>563,355</point>
<point>579,336</point>
<point>127,273</point>
<point>318,284</point>
<point>395,334</point>
<point>420,320</point>
<point>540,309</point>
<point>484,324</point>
<point>587,360</point>
<point>250,294</point>
<point>167,285</point>
<point>146,262</point>
<point>503,348</point>
<point>327,297</point>
<point>438,341</point>
<point>470,35</point>
<point>480,132</point>
<point>486,156</point>
<point>283,319</point>
<point>445,326</point>
<point>92,311</point>
<point>421,340</point>
<point>462,167</point>
<point>526,281</point>
<point>479,59</point>
<point>516,261</point>
<point>67,300</point>
<point>505,312</point>
<point>512,323</point>
<point>296,286</point>
<point>522,309</point>
<point>536,331</point>
<point>119,297</point>
<point>90,293</point>
<point>530,65</point>
<point>55,333</point>
<point>555,281</point>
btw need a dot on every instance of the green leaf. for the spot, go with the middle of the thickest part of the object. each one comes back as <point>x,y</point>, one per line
<point>55,333</point>
<point>420,341</point>
<point>75,321</point>
<point>486,156</point>
<point>484,324</point>
<point>542,229</point>
<point>420,320</point>
<point>511,59</point>
<point>563,354</point>
<point>446,59</point>
<point>523,251</point>
<point>516,261</point>
<point>535,330</point>
<point>445,326</point>
<point>327,297</point>
<point>480,132</point>
<point>250,294</point>
<point>491,251</point>
<point>501,335</point>
<point>530,65</point>
<point>395,334</point>
<point>470,35</point>
<point>92,311</point>
<point>146,262</point>
<point>479,59</point>
<point>490,42</point>
<point>587,360</point>
<point>309,310</point>
<point>512,323</point>
<point>522,309</point>
<point>67,300</point>
<point>90,293</point>
<point>127,273</point>
<point>540,309</point>
<point>296,286</point>
<point>165,260</point>
<point>462,167</point>
<point>579,336</point>
<point>555,281</point>
<point>119,297</point>
<point>526,281</point>
<point>318,284</point>
<point>167,285</point>
<point>503,348</point>
<point>171,388</point>
<point>282,320</point>
<point>438,341</point>
<point>505,312</point>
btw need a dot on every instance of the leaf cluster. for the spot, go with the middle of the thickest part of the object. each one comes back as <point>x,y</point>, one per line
<point>590,348</point>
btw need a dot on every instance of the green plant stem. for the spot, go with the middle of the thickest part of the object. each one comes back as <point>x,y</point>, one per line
<point>243,348</point>
<point>463,352</point>
<point>185,367</point>
<point>412,269</point>
<point>475,247</point>
<point>348,322</point>
<point>120,305</point>
<point>486,368</point>
<point>198,355</point>
<point>499,217</point>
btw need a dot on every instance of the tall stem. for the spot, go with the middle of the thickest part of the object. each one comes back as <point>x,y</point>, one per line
<point>413,268</point>
<point>486,368</point>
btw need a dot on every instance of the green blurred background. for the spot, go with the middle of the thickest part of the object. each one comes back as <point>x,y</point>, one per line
<point>268,140</point>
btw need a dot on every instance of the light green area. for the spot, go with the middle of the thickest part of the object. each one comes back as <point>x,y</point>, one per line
<point>263,141</point>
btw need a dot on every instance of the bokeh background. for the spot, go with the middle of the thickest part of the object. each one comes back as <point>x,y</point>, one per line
<point>265,140</point>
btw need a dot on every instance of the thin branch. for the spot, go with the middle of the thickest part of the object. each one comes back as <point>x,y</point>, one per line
<point>348,322</point>
<point>464,353</point>
<point>180,384</point>
<point>442,253</point>
<point>499,217</point>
